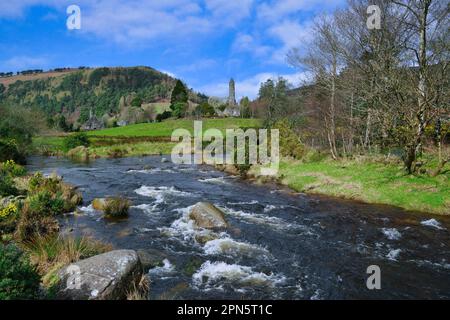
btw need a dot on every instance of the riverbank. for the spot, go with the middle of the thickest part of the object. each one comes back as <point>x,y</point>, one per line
<point>370,181</point>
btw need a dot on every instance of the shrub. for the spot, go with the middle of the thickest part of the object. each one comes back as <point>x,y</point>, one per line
<point>290,143</point>
<point>117,153</point>
<point>36,181</point>
<point>8,218</point>
<point>10,151</point>
<point>163,116</point>
<point>31,226</point>
<point>45,204</point>
<point>63,197</point>
<point>116,207</point>
<point>18,279</point>
<point>7,187</point>
<point>76,140</point>
<point>13,169</point>
<point>8,211</point>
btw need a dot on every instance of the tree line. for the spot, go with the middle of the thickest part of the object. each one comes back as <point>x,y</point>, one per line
<point>383,89</point>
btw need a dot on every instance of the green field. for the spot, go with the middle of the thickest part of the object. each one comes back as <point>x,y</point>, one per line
<point>165,128</point>
<point>140,139</point>
<point>371,182</point>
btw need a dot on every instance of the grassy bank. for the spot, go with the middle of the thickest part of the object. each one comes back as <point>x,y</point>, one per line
<point>139,139</point>
<point>371,182</point>
<point>165,128</point>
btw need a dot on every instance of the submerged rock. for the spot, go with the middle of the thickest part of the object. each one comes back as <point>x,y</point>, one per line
<point>107,276</point>
<point>151,258</point>
<point>206,215</point>
<point>99,204</point>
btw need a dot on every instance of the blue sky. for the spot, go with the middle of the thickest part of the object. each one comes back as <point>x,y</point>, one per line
<point>203,42</point>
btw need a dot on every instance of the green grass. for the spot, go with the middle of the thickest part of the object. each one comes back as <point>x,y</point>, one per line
<point>48,142</point>
<point>133,138</point>
<point>135,149</point>
<point>370,182</point>
<point>165,128</point>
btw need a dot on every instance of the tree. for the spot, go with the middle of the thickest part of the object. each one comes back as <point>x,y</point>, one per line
<point>205,109</point>
<point>273,94</point>
<point>245,107</point>
<point>379,88</point>
<point>179,100</point>
<point>136,102</point>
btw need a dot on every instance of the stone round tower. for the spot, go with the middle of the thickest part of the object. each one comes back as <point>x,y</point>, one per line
<point>232,93</point>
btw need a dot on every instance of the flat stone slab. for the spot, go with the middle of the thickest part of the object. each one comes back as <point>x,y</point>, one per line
<point>107,276</point>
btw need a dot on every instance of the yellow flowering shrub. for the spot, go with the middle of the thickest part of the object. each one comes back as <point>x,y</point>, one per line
<point>9,210</point>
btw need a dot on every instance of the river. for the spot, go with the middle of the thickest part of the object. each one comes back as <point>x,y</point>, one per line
<point>280,244</point>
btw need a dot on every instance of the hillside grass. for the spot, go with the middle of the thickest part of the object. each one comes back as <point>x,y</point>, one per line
<point>139,139</point>
<point>371,182</point>
<point>165,128</point>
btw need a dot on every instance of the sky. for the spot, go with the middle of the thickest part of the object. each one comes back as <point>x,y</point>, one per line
<point>202,42</point>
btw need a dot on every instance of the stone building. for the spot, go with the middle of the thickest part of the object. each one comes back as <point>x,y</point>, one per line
<point>232,109</point>
<point>93,123</point>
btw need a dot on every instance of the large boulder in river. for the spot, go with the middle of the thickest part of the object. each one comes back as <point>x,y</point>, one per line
<point>107,276</point>
<point>206,215</point>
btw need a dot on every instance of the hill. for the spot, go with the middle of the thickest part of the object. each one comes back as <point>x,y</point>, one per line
<point>113,94</point>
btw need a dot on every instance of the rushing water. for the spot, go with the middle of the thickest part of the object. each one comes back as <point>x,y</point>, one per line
<point>280,245</point>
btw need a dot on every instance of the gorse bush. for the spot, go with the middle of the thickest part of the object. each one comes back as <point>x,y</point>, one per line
<point>9,215</point>
<point>290,143</point>
<point>13,169</point>
<point>18,278</point>
<point>8,211</point>
<point>45,203</point>
<point>76,140</point>
<point>7,187</point>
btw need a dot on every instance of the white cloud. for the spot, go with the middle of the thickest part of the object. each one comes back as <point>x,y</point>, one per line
<point>229,11</point>
<point>247,43</point>
<point>24,62</point>
<point>291,34</point>
<point>198,65</point>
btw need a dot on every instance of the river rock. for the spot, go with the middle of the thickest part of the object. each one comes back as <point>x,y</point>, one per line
<point>151,258</point>
<point>164,160</point>
<point>99,204</point>
<point>206,215</point>
<point>107,276</point>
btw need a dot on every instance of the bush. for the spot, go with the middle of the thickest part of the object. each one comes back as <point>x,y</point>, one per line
<point>117,153</point>
<point>10,151</point>
<point>290,143</point>
<point>7,187</point>
<point>13,169</point>
<point>8,218</point>
<point>163,116</point>
<point>76,140</point>
<point>18,279</point>
<point>116,207</point>
<point>63,197</point>
<point>32,225</point>
<point>44,203</point>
